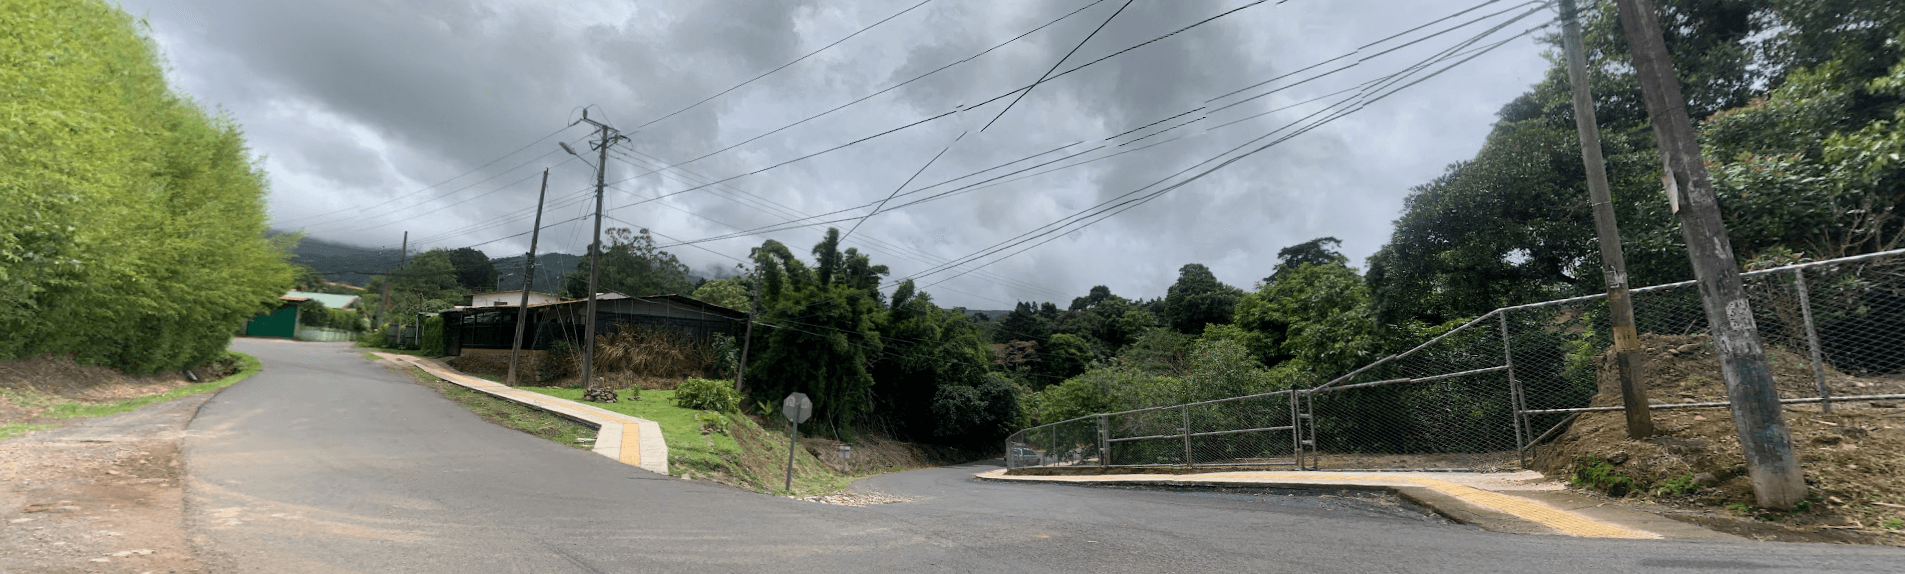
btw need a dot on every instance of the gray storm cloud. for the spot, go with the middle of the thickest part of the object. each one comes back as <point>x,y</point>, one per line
<point>359,106</point>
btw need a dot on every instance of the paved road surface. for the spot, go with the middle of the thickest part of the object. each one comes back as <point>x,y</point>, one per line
<point>326,462</point>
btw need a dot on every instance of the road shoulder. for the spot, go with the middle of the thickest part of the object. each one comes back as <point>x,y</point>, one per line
<point>1499,510</point>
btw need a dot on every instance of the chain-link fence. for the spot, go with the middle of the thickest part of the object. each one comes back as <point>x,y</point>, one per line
<point>1482,395</point>
<point>1255,430</point>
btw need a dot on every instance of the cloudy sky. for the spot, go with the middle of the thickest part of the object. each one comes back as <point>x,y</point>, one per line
<point>437,117</point>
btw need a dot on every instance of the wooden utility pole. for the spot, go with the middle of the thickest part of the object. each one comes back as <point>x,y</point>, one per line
<point>384,315</point>
<point>529,270</point>
<point>1770,463</point>
<point>740,376</point>
<point>1620,305</point>
<point>403,259</point>
<point>608,137</point>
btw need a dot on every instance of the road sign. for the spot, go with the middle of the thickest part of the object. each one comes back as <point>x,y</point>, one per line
<point>797,408</point>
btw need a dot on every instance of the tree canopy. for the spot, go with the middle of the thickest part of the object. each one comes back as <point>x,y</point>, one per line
<point>631,265</point>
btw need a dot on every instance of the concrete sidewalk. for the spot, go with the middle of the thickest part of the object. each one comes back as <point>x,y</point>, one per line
<point>631,440</point>
<point>1521,503</point>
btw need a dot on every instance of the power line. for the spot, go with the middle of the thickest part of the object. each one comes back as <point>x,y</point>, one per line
<point>1107,208</point>
<point>438,184</point>
<point>990,100</point>
<point>784,66</point>
<point>1055,65</point>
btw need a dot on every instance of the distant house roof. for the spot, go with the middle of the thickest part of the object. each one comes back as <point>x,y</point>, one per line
<point>329,300</point>
<point>694,303</point>
<point>511,291</point>
<point>293,298</point>
<point>667,299</point>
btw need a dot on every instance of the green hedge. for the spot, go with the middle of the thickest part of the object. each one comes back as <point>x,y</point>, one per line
<point>432,337</point>
<point>132,222</point>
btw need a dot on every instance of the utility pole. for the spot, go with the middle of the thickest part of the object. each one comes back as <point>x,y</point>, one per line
<point>529,269</point>
<point>403,258</point>
<point>608,137</point>
<point>384,316</point>
<point>1777,478</point>
<point>1620,305</point>
<point>740,376</point>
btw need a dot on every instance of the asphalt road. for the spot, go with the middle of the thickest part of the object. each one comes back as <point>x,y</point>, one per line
<point>326,462</point>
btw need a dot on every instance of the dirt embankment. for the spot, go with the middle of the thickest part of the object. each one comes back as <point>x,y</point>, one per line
<point>26,383</point>
<point>1854,457</point>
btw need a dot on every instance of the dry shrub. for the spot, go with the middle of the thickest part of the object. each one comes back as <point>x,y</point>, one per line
<point>649,359</point>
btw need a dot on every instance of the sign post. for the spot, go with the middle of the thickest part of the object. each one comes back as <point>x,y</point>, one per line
<point>797,408</point>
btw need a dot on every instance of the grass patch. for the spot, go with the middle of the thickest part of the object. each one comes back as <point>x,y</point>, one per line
<point>11,430</point>
<point>56,407</point>
<point>743,454</point>
<point>510,413</point>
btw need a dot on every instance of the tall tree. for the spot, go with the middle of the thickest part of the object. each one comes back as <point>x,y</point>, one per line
<point>822,330</point>
<point>1198,299</point>
<point>1319,251</point>
<point>473,270</point>
<point>631,265</point>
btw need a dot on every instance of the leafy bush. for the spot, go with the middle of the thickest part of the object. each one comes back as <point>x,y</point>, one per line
<point>1600,475</point>
<point>432,337</point>
<point>315,314</point>
<point>713,422</point>
<point>708,395</point>
<point>976,414</point>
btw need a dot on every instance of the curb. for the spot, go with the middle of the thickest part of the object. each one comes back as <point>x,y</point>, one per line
<point>630,440</point>
<point>1487,510</point>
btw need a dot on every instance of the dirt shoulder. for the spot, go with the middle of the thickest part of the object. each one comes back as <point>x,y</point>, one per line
<point>98,495</point>
<point>1693,469</point>
<point>92,474</point>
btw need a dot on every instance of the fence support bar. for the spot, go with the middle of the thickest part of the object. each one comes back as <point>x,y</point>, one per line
<point>1812,340</point>
<point>1514,393</point>
<point>1415,380</point>
<point>1241,431</point>
<point>1715,405</point>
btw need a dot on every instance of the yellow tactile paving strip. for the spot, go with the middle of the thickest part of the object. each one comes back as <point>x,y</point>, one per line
<point>628,449</point>
<point>1536,512</point>
<point>631,445</point>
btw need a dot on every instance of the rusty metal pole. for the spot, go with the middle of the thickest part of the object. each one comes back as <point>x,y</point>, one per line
<point>1620,305</point>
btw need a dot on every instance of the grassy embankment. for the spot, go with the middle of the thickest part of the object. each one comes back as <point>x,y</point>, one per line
<point>50,406</point>
<point>730,449</point>
<point>507,413</point>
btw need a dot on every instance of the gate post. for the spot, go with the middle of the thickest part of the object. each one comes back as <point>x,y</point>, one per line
<point>1186,411</point>
<point>1104,443</point>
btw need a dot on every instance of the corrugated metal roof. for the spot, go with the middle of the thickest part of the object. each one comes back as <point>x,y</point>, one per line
<point>329,300</point>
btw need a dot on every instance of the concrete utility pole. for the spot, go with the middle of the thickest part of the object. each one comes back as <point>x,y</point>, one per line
<point>740,376</point>
<point>529,270</point>
<point>1620,305</point>
<point>1770,463</point>
<point>608,137</point>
